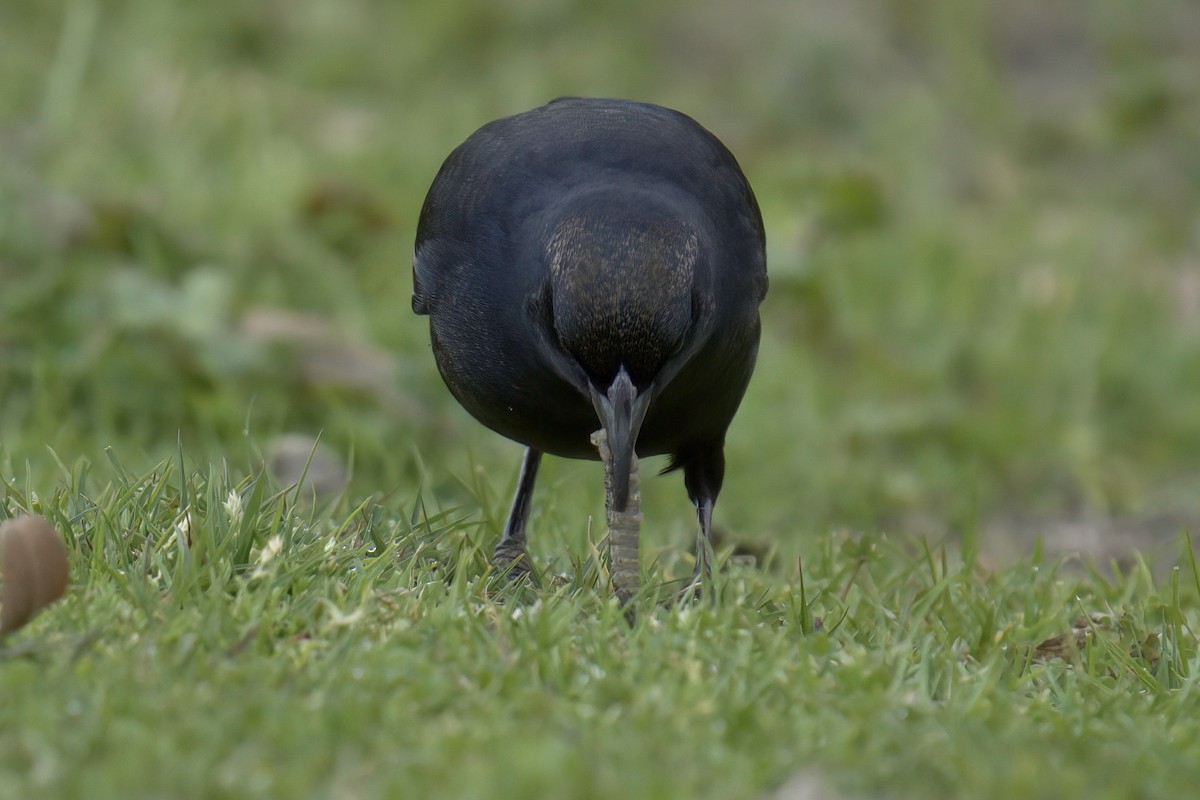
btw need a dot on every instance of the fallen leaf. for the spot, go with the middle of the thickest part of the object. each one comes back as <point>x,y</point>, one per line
<point>809,785</point>
<point>1067,645</point>
<point>33,563</point>
<point>297,456</point>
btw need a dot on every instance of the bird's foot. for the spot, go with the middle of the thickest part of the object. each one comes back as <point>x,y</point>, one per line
<point>690,593</point>
<point>694,589</point>
<point>512,562</point>
<point>702,573</point>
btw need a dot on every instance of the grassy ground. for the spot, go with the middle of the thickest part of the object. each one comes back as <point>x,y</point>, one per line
<point>984,325</point>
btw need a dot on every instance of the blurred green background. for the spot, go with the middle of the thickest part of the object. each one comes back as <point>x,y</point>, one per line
<point>983,224</point>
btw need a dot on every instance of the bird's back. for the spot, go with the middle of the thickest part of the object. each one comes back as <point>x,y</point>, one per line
<point>510,170</point>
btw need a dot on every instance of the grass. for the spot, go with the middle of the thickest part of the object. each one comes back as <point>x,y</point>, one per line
<point>984,320</point>
<point>226,641</point>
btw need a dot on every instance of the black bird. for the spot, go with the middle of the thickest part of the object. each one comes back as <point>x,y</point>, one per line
<point>589,262</point>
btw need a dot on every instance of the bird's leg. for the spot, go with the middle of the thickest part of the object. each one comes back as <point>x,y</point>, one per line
<point>510,552</point>
<point>704,551</point>
<point>702,475</point>
<point>624,526</point>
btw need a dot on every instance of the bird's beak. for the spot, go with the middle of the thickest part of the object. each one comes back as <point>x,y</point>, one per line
<point>621,411</point>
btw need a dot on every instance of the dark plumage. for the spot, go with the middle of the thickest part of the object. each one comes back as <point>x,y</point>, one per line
<point>595,263</point>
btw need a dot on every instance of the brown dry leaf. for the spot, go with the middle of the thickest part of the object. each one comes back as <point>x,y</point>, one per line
<point>1062,646</point>
<point>1067,645</point>
<point>320,356</point>
<point>357,207</point>
<point>809,785</point>
<point>297,455</point>
<point>33,563</point>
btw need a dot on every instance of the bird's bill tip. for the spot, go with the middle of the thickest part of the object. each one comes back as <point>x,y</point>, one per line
<point>621,410</point>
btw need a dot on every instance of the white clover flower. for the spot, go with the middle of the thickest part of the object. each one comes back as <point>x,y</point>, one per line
<point>271,549</point>
<point>264,556</point>
<point>233,507</point>
<point>185,523</point>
